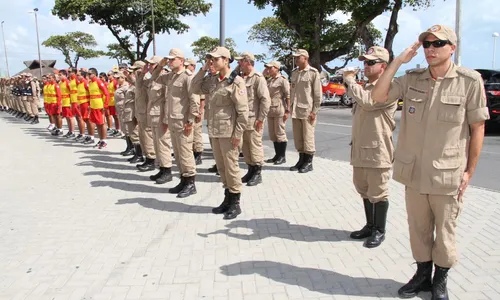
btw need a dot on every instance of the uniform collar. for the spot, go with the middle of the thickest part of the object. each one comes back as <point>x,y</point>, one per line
<point>225,77</point>
<point>251,73</point>
<point>451,73</point>
<point>368,84</point>
<point>305,69</point>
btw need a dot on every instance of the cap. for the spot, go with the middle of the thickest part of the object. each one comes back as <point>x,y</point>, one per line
<point>130,70</point>
<point>175,52</point>
<point>245,55</point>
<point>119,75</point>
<point>301,52</point>
<point>29,74</point>
<point>114,69</point>
<point>154,60</point>
<point>442,32</point>
<point>274,63</point>
<point>220,52</point>
<point>189,62</point>
<point>375,53</point>
<point>138,65</point>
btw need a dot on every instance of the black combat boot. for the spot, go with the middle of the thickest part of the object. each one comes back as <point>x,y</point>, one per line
<point>256,176</point>
<point>213,169</point>
<point>272,160</point>
<point>157,175</point>
<point>148,165</point>
<point>439,289</point>
<point>281,153</point>
<point>420,282</point>
<point>35,120</point>
<point>366,231</point>
<point>224,206</point>
<point>138,157</point>
<point>248,175</point>
<point>307,166</point>
<point>178,188</point>
<point>380,218</point>
<point>197,158</point>
<point>165,177</point>
<point>234,206</point>
<point>130,147</point>
<point>299,164</point>
<point>189,188</point>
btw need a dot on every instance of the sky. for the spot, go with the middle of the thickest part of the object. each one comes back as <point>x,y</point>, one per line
<point>480,19</point>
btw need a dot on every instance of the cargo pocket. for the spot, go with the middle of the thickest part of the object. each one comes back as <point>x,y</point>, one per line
<point>446,173</point>
<point>370,151</point>
<point>404,164</point>
<point>451,109</point>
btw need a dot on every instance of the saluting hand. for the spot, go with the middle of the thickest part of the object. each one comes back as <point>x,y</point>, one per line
<point>409,52</point>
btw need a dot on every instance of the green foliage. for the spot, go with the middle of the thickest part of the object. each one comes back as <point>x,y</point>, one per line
<point>115,51</point>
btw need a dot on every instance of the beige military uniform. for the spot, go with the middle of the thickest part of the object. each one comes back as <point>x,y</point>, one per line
<point>161,137</point>
<point>180,107</point>
<point>305,95</point>
<point>279,91</point>
<point>372,148</point>
<point>128,115</point>
<point>227,119</point>
<point>120,94</point>
<point>258,108</point>
<point>34,100</point>
<point>141,108</point>
<point>209,84</point>
<point>431,154</point>
<point>198,127</point>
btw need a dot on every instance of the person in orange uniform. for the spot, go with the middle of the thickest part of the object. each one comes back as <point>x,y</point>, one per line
<point>75,105</point>
<point>84,100</point>
<point>66,103</point>
<point>99,100</point>
<point>111,112</point>
<point>55,105</point>
<point>47,100</point>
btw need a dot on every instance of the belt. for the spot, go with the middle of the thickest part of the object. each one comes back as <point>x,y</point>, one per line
<point>82,97</point>
<point>65,96</point>
<point>95,97</point>
<point>74,92</point>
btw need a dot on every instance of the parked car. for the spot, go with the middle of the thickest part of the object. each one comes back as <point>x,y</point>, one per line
<point>492,87</point>
<point>334,91</point>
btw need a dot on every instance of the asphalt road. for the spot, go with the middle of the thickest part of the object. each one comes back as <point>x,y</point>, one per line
<point>333,135</point>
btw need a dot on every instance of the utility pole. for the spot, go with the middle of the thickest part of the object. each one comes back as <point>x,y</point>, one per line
<point>222,23</point>
<point>153,25</point>
<point>458,26</point>
<point>5,47</point>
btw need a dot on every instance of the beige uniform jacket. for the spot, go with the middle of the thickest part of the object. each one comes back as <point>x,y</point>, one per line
<point>129,104</point>
<point>228,105</point>
<point>180,103</point>
<point>372,127</point>
<point>120,94</point>
<point>279,91</point>
<point>431,154</point>
<point>156,98</point>
<point>305,92</point>
<point>141,97</point>
<point>259,100</point>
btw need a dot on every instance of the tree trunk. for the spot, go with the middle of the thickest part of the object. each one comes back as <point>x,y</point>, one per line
<point>315,55</point>
<point>77,58</point>
<point>122,43</point>
<point>393,28</point>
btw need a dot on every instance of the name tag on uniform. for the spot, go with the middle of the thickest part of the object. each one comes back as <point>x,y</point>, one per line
<point>417,90</point>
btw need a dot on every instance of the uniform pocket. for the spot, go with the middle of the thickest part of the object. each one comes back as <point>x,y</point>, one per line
<point>451,109</point>
<point>404,164</point>
<point>446,173</point>
<point>370,151</point>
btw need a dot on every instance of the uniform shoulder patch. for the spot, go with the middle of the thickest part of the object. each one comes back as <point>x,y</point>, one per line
<point>238,80</point>
<point>416,71</point>
<point>473,74</point>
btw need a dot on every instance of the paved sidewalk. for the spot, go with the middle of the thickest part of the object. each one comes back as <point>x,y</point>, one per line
<point>79,223</point>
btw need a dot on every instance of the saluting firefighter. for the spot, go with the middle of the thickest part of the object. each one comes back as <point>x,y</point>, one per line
<point>441,136</point>
<point>190,65</point>
<point>228,117</point>
<point>372,148</point>
<point>279,112</point>
<point>180,111</point>
<point>305,95</point>
<point>258,108</point>
<point>129,111</point>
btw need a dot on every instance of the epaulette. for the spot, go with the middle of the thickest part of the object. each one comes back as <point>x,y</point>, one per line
<point>469,73</point>
<point>238,80</point>
<point>416,70</point>
<point>232,76</point>
<point>258,74</point>
<point>189,72</point>
<point>313,69</point>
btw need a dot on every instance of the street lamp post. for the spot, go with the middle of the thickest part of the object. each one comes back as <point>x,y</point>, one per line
<point>495,35</point>
<point>222,23</point>
<point>153,25</point>
<point>5,47</point>
<point>38,41</point>
<point>458,14</point>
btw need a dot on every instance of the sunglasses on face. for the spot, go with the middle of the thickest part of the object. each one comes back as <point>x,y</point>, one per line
<point>372,62</point>
<point>435,44</point>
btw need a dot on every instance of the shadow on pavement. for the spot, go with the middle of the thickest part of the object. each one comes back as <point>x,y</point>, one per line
<point>264,228</point>
<point>102,165</point>
<point>169,206</point>
<point>316,280</point>
<point>118,176</point>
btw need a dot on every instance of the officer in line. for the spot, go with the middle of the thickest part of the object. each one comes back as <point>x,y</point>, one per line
<point>130,113</point>
<point>305,95</point>
<point>141,111</point>
<point>190,65</point>
<point>27,92</point>
<point>279,91</point>
<point>228,117</point>
<point>34,98</point>
<point>372,148</point>
<point>258,108</point>
<point>181,109</point>
<point>441,136</point>
<point>121,89</point>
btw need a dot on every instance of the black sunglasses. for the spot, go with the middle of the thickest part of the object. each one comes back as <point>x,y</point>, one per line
<point>372,62</point>
<point>435,44</point>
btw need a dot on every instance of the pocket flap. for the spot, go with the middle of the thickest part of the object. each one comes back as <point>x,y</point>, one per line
<point>446,164</point>
<point>302,105</point>
<point>452,100</point>
<point>370,144</point>
<point>406,158</point>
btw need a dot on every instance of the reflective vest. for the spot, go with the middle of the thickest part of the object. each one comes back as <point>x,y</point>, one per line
<point>95,94</point>
<point>73,89</point>
<point>50,95</point>
<point>65,94</point>
<point>111,90</point>
<point>83,94</point>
